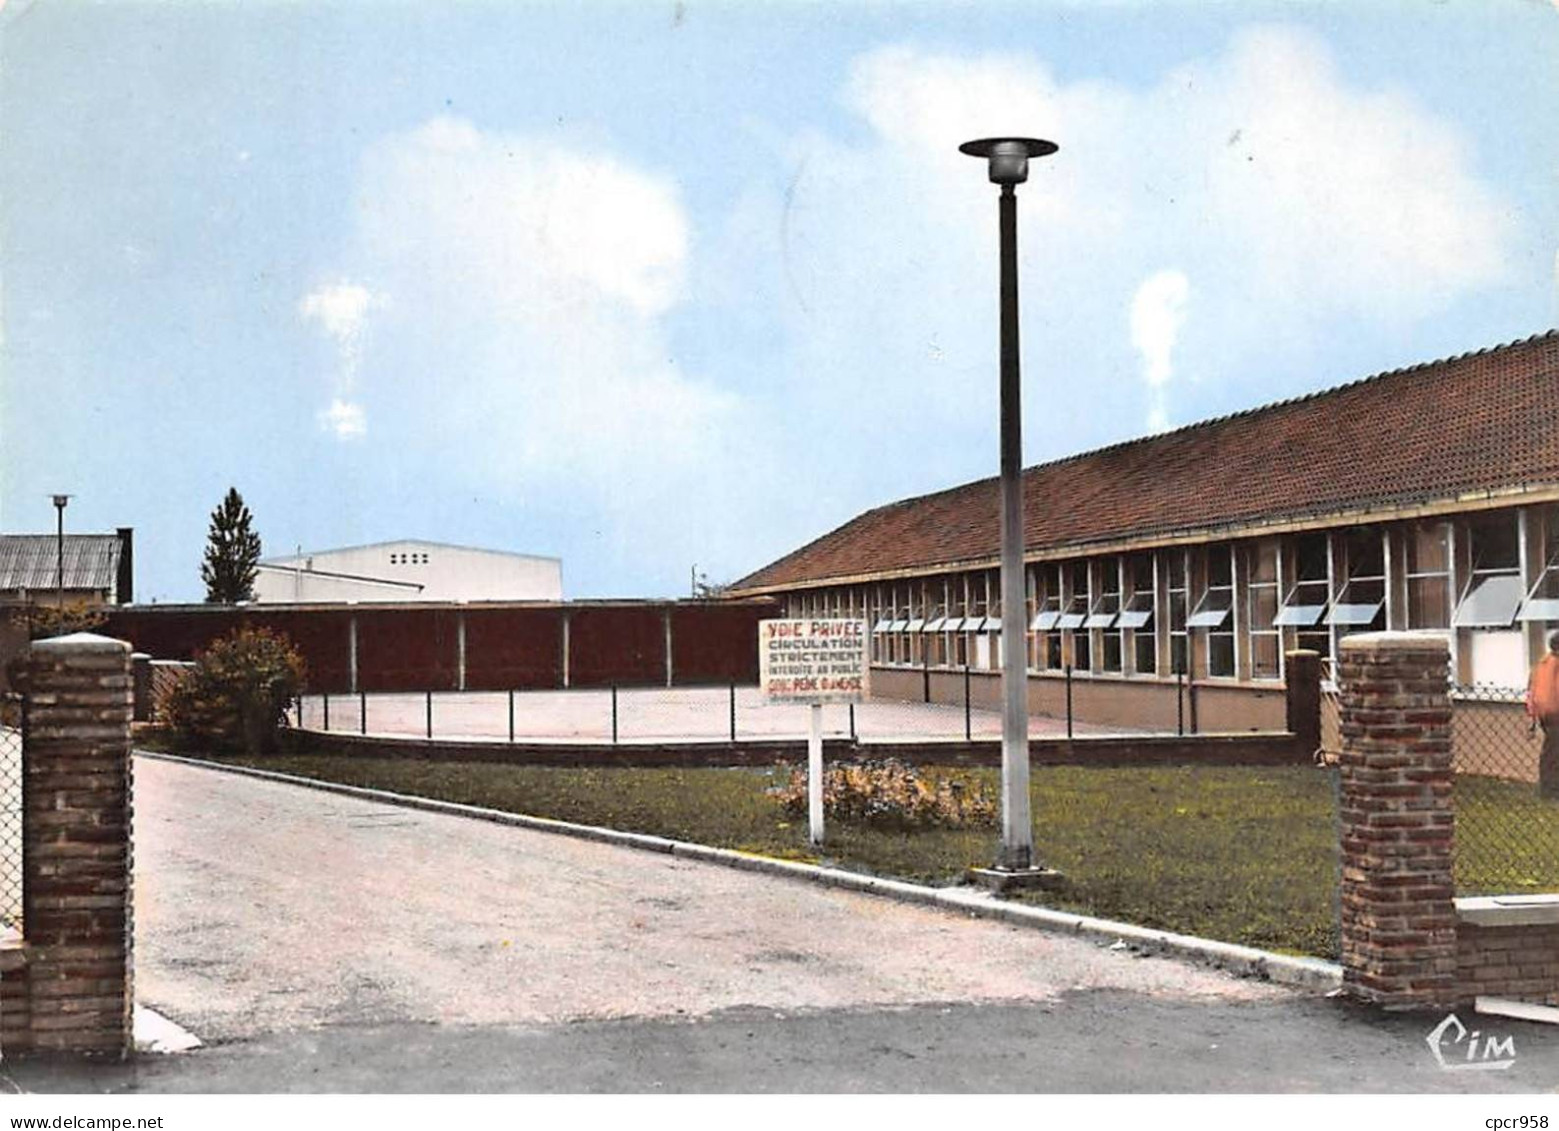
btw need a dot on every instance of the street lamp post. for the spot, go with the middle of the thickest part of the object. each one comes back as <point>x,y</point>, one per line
<point>59,548</point>
<point>1007,159</point>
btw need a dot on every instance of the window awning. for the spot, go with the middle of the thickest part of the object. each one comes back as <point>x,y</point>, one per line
<point>915,625</point>
<point>1539,608</point>
<point>1071,620</point>
<point>1135,618</point>
<point>1360,612</point>
<point>882,626</point>
<point>1542,602</point>
<point>1046,620</point>
<point>897,626</point>
<point>1300,616</point>
<point>934,624</point>
<point>1491,602</point>
<point>1207,618</point>
<point>1099,620</point>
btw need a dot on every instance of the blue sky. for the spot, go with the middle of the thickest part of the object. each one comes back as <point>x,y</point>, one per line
<point>643,286</point>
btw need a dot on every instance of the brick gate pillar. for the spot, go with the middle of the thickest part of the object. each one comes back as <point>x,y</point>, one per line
<point>76,841</point>
<point>1302,694</point>
<point>1397,820</point>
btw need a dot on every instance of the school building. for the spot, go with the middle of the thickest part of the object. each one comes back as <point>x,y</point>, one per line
<point>1425,499</point>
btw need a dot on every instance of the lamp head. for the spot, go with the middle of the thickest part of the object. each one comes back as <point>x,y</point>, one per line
<point>1008,157</point>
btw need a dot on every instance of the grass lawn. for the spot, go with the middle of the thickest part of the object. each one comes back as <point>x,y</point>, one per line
<point>1245,855</point>
<point>1507,838</point>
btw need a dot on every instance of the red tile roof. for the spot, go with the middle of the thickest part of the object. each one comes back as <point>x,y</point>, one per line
<point>1484,421</point>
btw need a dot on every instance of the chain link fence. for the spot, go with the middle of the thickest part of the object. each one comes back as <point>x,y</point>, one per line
<point>1507,807</point>
<point>11,709</point>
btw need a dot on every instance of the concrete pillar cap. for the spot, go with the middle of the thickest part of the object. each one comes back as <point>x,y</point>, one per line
<point>81,642</point>
<point>1395,642</point>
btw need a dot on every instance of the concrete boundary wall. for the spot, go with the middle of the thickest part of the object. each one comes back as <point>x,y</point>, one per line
<point>489,646</point>
<point>1157,703</point>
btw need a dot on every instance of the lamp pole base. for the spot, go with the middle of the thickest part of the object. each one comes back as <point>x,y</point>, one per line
<point>1000,881</point>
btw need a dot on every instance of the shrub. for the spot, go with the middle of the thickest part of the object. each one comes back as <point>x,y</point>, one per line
<point>236,695</point>
<point>44,620</point>
<point>893,795</point>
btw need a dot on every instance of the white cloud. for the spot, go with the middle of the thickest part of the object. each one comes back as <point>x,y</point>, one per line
<point>344,419</point>
<point>526,350</point>
<point>341,310</point>
<point>1359,199</point>
<point>518,223</point>
<point>1293,194</point>
<point>338,307</point>
<point>1157,312</point>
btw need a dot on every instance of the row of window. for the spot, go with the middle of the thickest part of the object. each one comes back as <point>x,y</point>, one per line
<point>408,559</point>
<point>1232,609</point>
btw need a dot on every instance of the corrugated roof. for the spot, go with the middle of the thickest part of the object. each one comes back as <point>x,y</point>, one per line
<point>1483,421</point>
<point>31,561</point>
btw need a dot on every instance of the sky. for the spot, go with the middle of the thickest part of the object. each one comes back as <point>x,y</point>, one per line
<point>653,287</point>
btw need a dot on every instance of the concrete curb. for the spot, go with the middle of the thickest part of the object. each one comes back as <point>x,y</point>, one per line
<point>1290,970</point>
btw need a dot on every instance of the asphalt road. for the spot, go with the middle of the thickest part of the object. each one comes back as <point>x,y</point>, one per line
<point>320,943</point>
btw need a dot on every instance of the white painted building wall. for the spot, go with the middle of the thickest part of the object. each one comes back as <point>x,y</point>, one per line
<point>409,570</point>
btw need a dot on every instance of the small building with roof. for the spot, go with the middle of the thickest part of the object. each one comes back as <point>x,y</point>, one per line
<point>1424,499</point>
<point>94,568</point>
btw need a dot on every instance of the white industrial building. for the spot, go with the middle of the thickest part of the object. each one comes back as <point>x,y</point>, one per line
<point>408,570</point>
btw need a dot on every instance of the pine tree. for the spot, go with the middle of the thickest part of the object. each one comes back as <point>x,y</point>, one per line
<point>232,553</point>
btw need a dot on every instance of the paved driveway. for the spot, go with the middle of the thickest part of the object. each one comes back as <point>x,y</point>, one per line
<point>264,908</point>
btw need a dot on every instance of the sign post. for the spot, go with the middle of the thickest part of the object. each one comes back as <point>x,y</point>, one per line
<point>813,661</point>
<point>815,776</point>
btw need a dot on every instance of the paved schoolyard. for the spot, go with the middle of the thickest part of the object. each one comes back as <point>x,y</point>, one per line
<point>647,714</point>
<point>263,907</point>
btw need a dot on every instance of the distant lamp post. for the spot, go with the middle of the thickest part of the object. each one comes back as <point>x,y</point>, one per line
<point>1007,159</point>
<point>59,547</point>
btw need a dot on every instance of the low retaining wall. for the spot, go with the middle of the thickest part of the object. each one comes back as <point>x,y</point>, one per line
<point>1102,699</point>
<point>1276,749</point>
<point>1508,947</point>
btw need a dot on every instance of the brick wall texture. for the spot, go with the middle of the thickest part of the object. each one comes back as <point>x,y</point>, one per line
<point>1508,962</point>
<point>1397,822</point>
<point>74,993</point>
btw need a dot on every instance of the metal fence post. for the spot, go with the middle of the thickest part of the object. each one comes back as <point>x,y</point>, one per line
<point>362,712</point>
<point>614,714</point>
<point>1179,702</point>
<point>430,714</point>
<point>852,723</point>
<point>1069,700</point>
<point>733,712</point>
<point>326,698</point>
<point>300,712</point>
<point>1190,695</point>
<point>968,721</point>
<point>511,716</point>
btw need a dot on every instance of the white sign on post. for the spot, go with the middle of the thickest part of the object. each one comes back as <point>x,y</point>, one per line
<point>815,662</point>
